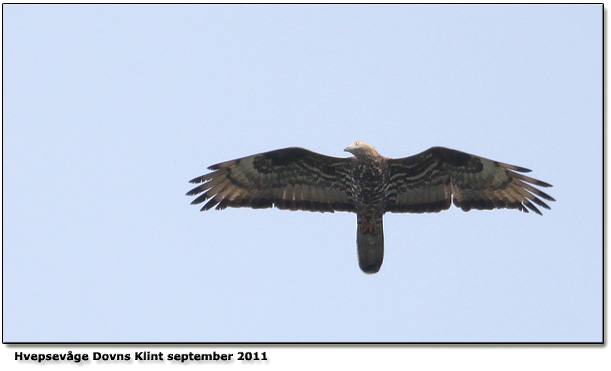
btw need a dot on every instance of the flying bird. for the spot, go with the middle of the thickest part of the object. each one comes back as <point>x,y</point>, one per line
<point>369,185</point>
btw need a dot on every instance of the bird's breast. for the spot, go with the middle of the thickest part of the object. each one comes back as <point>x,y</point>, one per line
<point>369,185</point>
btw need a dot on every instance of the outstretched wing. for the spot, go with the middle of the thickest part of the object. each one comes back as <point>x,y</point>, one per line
<point>431,180</point>
<point>290,178</point>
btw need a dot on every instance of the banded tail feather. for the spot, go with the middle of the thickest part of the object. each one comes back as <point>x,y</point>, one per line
<point>370,242</point>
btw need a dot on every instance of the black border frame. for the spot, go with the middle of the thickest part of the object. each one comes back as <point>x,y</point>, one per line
<point>604,152</point>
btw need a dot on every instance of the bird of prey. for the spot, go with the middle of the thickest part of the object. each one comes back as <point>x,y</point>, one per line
<point>369,185</point>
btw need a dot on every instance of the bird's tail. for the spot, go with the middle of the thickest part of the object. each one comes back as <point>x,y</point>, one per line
<point>370,243</point>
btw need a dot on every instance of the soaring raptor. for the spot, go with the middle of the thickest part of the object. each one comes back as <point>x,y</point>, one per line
<point>369,185</point>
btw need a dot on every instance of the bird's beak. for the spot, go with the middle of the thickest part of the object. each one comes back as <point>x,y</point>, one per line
<point>347,149</point>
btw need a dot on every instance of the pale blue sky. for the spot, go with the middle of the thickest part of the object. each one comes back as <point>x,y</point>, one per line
<point>110,110</point>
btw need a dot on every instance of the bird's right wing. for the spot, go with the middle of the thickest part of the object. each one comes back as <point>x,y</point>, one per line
<point>290,178</point>
<point>430,181</point>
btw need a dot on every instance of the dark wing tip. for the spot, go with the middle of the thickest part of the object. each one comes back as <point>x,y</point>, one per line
<point>538,182</point>
<point>200,179</point>
<point>540,203</point>
<point>200,199</point>
<point>199,189</point>
<point>513,167</point>
<point>542,194</point>
<point>529,205</point>
<point>209,205</point>
<point>192,192</point>
<point>528,179</point>
<point>521,169</point>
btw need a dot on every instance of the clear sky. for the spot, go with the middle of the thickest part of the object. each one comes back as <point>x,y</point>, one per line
<point>110,110</point>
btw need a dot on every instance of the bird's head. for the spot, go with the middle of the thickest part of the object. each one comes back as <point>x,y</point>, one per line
<point>361,149</point>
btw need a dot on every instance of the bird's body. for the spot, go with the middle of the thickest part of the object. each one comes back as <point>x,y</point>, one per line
<point>370,175</point>
<point>369,185</point>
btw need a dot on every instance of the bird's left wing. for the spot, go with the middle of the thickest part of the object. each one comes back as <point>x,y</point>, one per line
<point>430,181</point>
<point>290,178</point>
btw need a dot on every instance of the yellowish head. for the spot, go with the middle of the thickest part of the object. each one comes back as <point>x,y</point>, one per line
<point>359,148</point>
